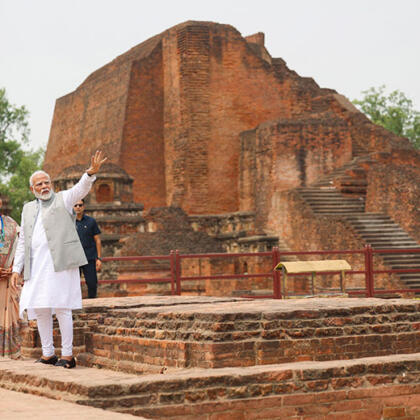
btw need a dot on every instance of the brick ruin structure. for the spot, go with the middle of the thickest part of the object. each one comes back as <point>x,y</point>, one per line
<point>228,149</point>
<point>203,119</point>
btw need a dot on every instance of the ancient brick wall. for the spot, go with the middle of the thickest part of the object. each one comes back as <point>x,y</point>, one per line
<point>304,230</point>
<point>170,110</point>
<point>286,154</point>
<point>222,89</point>
<point>142,148</point>
<point>394,189</point>
<point>92,117</point>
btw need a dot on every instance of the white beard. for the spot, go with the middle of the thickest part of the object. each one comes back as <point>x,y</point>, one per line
<point>45,196</point>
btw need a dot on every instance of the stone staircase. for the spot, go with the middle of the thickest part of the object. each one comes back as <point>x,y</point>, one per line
<point>350,179</point>
<point>328,201</point>
<point>377,230</point>
<point>381,232</point>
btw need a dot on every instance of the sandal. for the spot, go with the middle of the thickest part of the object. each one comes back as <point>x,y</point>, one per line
<point>51,361</point>
<point>67,364</point>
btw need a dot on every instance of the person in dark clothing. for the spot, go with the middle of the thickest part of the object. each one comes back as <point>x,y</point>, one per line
<point>89,234</point>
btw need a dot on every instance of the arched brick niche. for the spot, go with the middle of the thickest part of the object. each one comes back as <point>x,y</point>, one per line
<point>104,192</point>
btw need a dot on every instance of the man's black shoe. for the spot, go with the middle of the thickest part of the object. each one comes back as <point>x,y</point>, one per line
<point>51,361</point>
<point>68,364</point>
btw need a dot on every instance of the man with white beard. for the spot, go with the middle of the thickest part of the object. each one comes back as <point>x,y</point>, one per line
<point>50,253</point>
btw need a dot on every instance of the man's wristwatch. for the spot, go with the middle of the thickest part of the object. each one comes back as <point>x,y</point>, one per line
<point>99,258</point>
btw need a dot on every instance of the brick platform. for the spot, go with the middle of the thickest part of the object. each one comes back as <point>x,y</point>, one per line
<point>213,333</point>
<point>232,358</point>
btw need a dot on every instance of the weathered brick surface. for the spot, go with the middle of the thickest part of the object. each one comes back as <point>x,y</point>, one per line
<point>394,189</point>
<point>206,120</point>
<point>170,110</point>
<point>246,333</point>
<point>285,154</point>
<point>304,230</point>
<point>304,389</point>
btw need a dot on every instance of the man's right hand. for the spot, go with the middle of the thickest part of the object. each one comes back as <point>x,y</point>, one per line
<point>96,162</point>
<point>15,280</point>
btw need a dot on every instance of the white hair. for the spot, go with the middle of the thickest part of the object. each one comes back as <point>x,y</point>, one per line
<point>40,172</point>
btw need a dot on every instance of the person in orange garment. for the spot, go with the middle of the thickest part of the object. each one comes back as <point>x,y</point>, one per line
<point>9,295</point>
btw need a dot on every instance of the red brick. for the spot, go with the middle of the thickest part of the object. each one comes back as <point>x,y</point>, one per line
<point>393,412</point>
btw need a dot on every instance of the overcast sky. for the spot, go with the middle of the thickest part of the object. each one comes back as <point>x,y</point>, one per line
<point>48,47</point>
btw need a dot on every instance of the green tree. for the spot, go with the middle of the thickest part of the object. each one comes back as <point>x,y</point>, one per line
<point>16,163</point>
<point>17,187</point>
<point>14,132</point>
<point>395,112</point>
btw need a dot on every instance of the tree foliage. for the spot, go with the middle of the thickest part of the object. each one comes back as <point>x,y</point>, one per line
<point>395,112</point>
<point>16,163</point>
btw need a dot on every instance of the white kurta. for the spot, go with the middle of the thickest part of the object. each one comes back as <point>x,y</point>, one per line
<point>47,288</point>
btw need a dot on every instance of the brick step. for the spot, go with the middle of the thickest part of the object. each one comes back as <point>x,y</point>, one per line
<point>319,192</point>
<point>227,393</point>
<point>407,265</point>
<point>352,186</point>
<point>411,275</point>
<point>344,212</point>
<point>353,205</point>
<point>386,234</point>
<point>401,258</point>
<point>361,219</point>
<point>367,223</point>
<point>377,230</point>
<point>402,265</point>
<point>347,189</point>
<point>386,238</point>
<point>415,283</point>
<point>332,209</point>
<point>329,191</point>
<point>398,240</point>
<point>388,228</point>
<point>91,360</point>
<point>316,199</point>
<point>393,245</point>
<point>368,215</point>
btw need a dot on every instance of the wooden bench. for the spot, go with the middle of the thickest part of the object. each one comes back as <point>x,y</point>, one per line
<point>313,268</point>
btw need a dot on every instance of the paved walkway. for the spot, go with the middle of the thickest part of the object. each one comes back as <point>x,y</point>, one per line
<point>19,406</point>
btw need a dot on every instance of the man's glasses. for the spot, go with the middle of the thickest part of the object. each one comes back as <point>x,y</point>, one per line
<point>78,205</point>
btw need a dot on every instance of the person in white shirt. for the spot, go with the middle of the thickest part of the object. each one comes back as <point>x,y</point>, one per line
<point>49,253</point>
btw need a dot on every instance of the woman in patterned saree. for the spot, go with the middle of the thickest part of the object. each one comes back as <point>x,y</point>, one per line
<point>9,296</point>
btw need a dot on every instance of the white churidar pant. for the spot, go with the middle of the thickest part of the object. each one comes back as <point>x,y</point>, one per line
<point>45,329</point>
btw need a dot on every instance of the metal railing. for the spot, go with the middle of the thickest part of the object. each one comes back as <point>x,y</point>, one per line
<point>176,278</point>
